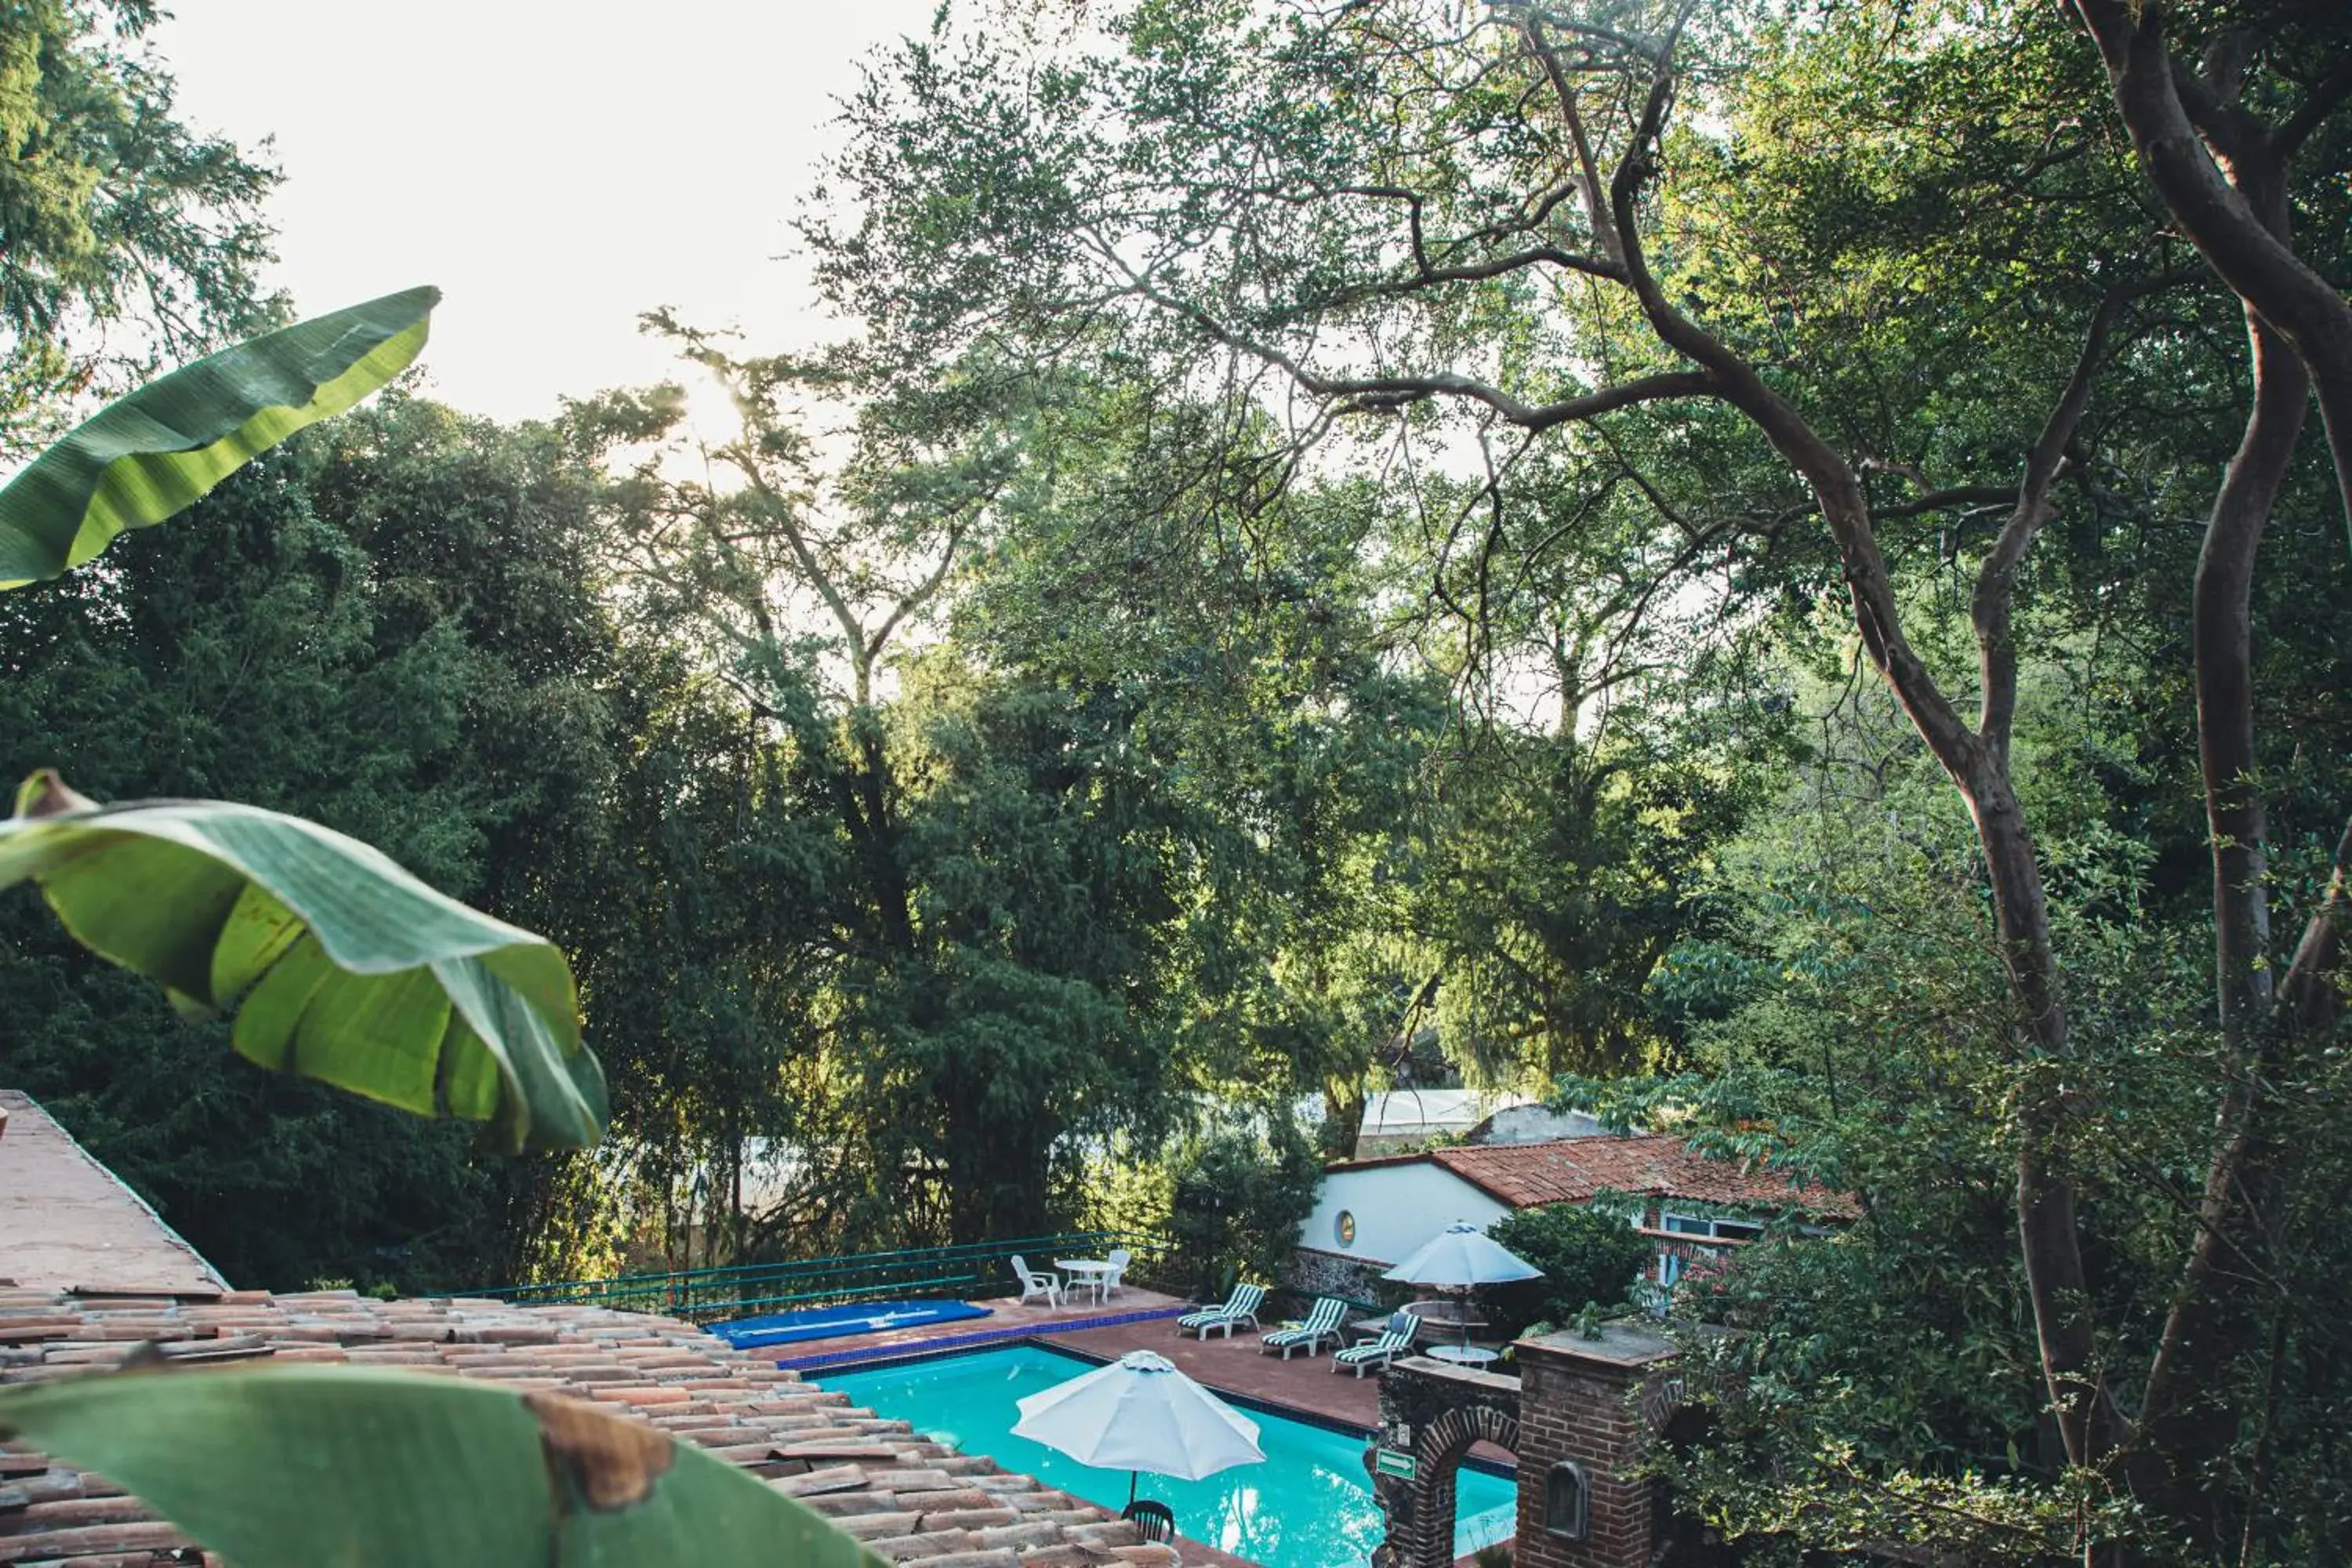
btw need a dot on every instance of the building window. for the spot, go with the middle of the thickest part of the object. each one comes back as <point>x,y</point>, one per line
<point>1728,1230</point>
<point>1565,1505</point>
<point>1344,1227</point>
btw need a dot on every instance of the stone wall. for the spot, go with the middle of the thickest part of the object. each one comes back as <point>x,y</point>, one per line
<point>1587,1410</point>
<point>1313,1273</point>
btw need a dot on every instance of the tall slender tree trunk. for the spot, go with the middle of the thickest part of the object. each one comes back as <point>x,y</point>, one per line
<point>2221,173</point>
<point>1976,758</point>
<point>2217,1310</point>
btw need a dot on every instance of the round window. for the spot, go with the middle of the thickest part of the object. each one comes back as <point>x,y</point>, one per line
<point>1345,1228</point>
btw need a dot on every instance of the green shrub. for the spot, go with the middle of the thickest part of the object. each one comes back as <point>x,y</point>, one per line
<point>1239,1201</point>
<point>1587,1259</point>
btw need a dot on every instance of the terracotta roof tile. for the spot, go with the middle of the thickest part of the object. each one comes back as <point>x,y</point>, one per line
<point>1573,1170</point>
<point>910,1498</point>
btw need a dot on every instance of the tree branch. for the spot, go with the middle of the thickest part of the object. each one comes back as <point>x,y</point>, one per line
<point>2327,96</point>
<point>2261,266</point>
<point>1991,606</point>
<point>1394,390</point>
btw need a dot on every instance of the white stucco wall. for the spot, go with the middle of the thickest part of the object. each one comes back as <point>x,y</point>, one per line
<point>1397,1207</point>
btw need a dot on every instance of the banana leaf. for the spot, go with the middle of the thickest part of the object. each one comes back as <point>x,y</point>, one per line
<point>341,967</point>
<point>150,454</point>
<point>296,1466</point>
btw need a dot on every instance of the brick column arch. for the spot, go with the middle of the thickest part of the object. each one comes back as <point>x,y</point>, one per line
<point>1437,1413</point>
<point>1437,1451</point>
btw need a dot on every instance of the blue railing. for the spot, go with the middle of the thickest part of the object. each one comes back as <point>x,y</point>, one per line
<point>981,1269</point>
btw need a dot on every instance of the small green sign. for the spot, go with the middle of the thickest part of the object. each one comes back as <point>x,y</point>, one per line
<point>1393,1462</point>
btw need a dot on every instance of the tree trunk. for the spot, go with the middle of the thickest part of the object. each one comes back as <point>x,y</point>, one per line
<point>2223,633</point>
<point>2218,219</point>
<point>2223,174</point>
<point>2216,1312</point>
<point>2050,1240</point>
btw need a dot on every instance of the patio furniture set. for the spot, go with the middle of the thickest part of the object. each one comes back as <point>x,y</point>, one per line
<point>1458,1257</point>
<point>1097,1277</point>
<point>1379,1341</point>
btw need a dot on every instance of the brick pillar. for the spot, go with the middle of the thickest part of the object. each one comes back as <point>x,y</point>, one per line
<point>1436,1413</point>
<point>1596,1403</point>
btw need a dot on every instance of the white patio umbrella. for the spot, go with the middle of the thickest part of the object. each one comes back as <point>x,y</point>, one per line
<point>1141,1413</point>
<point>1459,1257</point>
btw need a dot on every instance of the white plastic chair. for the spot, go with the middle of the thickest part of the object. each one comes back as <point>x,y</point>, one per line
<point>1033,1283</point>
<point>1119,1259</point>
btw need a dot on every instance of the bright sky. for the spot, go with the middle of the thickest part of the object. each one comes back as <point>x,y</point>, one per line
<point>555,168</point>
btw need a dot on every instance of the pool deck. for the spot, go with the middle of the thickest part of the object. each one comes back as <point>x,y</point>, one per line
<point>1008,1320</point>
<point>1238,1366</point>
<point>1133,1319</point>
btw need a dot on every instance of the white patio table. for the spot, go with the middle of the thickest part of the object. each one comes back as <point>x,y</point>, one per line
<point>1086,1273</point>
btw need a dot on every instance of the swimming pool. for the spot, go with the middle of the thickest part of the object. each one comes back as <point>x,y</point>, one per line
<point>1308,1506</point>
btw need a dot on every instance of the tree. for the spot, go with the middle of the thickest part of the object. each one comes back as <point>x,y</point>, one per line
<point>117,215</point>
<point>343,968</point>
<point>990,872</point>
<point>387,626</point>
<point>2220,144</point>
<point>1239,1196</point>
<point>1631,236</point>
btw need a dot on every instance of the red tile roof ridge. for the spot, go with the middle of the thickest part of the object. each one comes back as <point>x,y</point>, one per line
<point>1649,1164</point>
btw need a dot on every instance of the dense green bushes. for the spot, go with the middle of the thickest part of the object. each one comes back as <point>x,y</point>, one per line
<point>1589,1258</point>
<point>1240,1196</point>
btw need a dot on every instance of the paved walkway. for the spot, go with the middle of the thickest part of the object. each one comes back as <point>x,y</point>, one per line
<point>1238,1366</point>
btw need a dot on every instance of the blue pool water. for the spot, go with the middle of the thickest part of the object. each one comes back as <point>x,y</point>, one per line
<point>1308,1506</point>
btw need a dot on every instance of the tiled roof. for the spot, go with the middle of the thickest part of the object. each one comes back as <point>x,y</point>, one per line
<point>912,1500</point>
<point>69,1222</point>
<point>1573,1170</point>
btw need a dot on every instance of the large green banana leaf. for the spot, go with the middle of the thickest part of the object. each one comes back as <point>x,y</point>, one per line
<point>342,967</point>
<point>301,1466</point>
<point>146,456</point>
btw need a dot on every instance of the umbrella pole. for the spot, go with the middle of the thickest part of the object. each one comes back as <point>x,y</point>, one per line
<point>1131,1488</point>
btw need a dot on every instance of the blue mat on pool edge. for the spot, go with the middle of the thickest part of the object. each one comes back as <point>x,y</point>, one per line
<point>831,1322</point>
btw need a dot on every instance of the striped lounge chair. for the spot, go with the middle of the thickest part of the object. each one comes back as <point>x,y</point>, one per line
<point>1241,1307</point>
<point>1322,1324</point>
<point>1394,1340</point>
